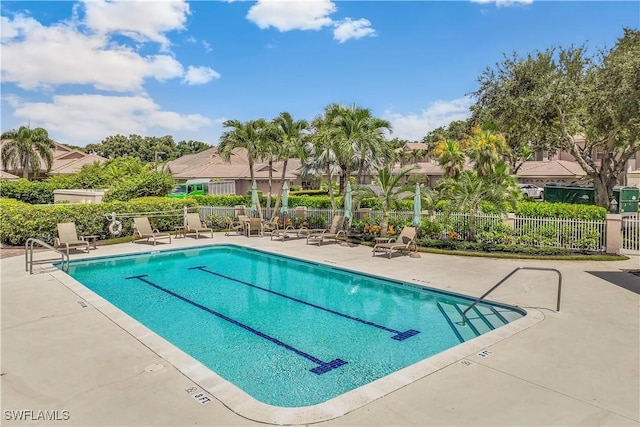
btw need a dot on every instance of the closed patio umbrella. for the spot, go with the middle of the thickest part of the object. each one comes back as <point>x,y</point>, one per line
<point>285,199</point>
<point>417,207</point>
<point>347,202</point>
<point>254,197</point>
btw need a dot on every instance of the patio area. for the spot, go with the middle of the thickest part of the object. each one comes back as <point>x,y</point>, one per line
<point>63,358</point>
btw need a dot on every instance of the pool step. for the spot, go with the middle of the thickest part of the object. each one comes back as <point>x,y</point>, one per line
<point>480,319</point>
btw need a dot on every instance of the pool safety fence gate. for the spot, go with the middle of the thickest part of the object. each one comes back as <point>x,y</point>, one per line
<point>630,235</point>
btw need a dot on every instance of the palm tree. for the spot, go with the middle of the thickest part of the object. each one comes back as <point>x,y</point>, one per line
<point>289,135</point>
<point>26,148</point>
<point>470,189</point>
<point>451,156</point>
<point>320,154</point>
<point>486,148</point>
<point>391,189</point>
<point>359,136</point>
<point>247,135</point>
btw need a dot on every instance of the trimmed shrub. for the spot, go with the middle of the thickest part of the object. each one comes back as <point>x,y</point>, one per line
<point>19,221</point>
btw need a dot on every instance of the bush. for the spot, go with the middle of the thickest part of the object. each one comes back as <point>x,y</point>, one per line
<point>19,221</point>
<point>34,192</point>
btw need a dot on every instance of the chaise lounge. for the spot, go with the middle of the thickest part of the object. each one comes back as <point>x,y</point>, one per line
<point>144,231</point>
<point>404,242</point>
<point>195,226</point>
<point>68,238</point>
<point>332,233</point>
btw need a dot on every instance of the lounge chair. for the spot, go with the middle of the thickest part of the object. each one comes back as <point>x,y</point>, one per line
<point>144,231</point>
<point>238,226</point>
<point>332,233</point>
<point>195,226</point>
<point>271,225</point>
<point>68,238</point>
<point>289,232</point>
<point>404,242</point>
<point>254,226</point>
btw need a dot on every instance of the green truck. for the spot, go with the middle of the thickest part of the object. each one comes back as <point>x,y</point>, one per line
<point>195,187</point>
<point>190,188</point>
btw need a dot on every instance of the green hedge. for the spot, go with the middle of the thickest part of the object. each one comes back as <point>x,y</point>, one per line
<point>19,221</point>
<point>34,192</point>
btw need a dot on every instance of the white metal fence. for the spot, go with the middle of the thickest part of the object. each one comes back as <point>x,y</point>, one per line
<point>572,234</point>
<point>630,241</point>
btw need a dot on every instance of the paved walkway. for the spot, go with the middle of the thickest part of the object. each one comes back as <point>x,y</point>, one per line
<point>578,367</point>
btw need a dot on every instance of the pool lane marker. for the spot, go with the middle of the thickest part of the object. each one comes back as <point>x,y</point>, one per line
<point>399,335</point>
<point>320,369</point>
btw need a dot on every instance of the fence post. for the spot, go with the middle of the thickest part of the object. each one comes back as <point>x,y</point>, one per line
<point>614,233</point>
<point>510,220</point>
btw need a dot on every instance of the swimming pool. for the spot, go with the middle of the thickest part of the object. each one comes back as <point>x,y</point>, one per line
<point>289,333</point>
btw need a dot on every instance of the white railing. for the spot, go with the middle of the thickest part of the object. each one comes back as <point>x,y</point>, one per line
<point>572,234</point>
<point>630,236</point>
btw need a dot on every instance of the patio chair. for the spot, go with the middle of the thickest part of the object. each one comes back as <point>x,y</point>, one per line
<point>255,226</point>
<point>143,230</point>
<point>271,225</point>
<point>332,233</point>
<point>238,226</point>
<point>195,225</point>
<point>404,242</point>
<point>68,238</point>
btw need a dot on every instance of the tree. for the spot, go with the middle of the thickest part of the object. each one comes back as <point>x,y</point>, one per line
<point>247,135</point>
<point>289,135</point>
<point>469,190</point>
<point>545,100</point>
<point>451,156</point>
<point>391,190</point>
<point>26,148</point>
<point>485,149</point>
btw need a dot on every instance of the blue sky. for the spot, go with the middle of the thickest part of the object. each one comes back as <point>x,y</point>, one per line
<point>91,69</point>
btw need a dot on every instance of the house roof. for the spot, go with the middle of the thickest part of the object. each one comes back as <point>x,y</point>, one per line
<point>209,164</point>
<point>412,146</point>
<point>550,169</point>
<point>8,176</point>
<point>66,160</point>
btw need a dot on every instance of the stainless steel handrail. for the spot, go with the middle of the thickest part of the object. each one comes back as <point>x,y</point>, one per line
<point>28,255</point>
<point>464,313</point>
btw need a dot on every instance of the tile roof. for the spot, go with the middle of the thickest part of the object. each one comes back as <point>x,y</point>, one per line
<point>550,169</point>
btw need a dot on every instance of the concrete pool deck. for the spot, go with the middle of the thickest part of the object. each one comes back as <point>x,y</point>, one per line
<point>580,366</point>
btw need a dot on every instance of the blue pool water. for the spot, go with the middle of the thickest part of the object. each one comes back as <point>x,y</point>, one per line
<point>289,333</point>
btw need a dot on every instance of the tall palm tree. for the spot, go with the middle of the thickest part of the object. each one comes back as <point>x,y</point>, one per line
<point>320,154</point>
<point>391,189</point>
<point>26,148</point>
<point>289,135</point>
<point>359,136</point>
<point>247,135</point>
<point>451,156</point>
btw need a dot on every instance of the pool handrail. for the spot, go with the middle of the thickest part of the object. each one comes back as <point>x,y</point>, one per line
<point>28,255</point>
<point>464,313</point>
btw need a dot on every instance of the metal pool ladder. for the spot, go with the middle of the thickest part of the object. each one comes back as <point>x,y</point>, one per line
<point>28,255</point>
<point>464,313</point>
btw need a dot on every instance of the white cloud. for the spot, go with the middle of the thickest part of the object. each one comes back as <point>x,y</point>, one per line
<point>35,56</point>
<point>286,15</point>
<point>86,119</point>
<point>414,127</point>
<point>503,2</point>
<point>200,75</point>
<point>140,20</point>
<point>349,29</point>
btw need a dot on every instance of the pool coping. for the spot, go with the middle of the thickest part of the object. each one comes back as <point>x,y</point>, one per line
<point>248,407</point>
